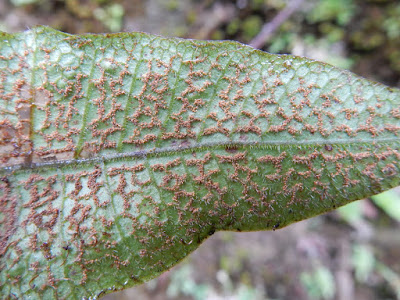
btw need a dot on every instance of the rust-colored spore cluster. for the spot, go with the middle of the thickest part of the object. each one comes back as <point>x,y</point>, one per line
<point>120,154</point>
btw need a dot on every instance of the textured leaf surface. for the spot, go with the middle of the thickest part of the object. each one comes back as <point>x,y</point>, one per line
<point>121,153</point>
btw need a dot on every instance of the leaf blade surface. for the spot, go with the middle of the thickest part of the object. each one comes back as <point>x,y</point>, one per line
<point>121,153</point>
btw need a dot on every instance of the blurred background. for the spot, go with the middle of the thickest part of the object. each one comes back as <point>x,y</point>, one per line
<point>350,253</point>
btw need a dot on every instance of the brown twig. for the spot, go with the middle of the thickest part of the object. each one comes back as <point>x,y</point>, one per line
<point>269,28</point>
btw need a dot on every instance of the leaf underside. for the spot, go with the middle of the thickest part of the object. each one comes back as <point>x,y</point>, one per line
<point>120,154</point>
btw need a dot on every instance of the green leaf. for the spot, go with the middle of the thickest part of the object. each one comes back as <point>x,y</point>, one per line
<point>389,202</point>
<point>121,153</point>
<point>352,212</point>
<point>363,261</point>
<point>320,284</point>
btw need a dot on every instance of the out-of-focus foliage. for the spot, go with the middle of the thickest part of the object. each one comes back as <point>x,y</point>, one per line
<point>389,202</point>
<point>319,283</point>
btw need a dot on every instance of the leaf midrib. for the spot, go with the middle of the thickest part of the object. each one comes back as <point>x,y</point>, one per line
<point>216,145</point>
